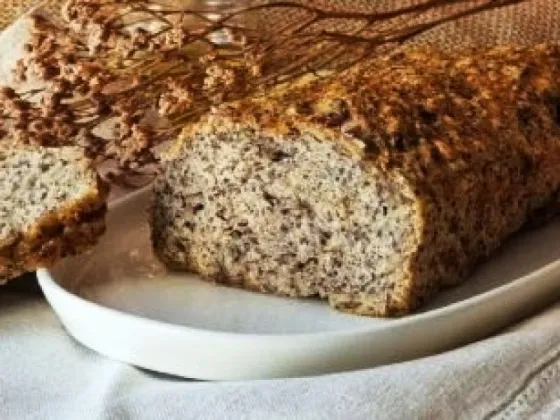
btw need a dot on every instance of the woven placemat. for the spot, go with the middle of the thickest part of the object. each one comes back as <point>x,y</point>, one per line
<point>11,9</point>
<point>528,22</point>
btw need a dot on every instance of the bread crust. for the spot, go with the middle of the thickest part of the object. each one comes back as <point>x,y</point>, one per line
<point>474,136</point>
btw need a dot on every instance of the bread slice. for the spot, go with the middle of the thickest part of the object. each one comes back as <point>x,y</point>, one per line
<point>52,204</point>
<point>374,189</point>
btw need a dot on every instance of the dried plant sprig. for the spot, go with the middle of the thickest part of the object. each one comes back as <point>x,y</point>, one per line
<point>123,76</point>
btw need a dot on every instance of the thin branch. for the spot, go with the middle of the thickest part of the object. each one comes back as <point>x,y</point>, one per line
<point>191,72</point>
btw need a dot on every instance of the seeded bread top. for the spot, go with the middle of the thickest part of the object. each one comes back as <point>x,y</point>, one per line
<point>407,111</point>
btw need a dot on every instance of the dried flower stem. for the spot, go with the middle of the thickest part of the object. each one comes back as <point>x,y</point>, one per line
<point>113,63</point>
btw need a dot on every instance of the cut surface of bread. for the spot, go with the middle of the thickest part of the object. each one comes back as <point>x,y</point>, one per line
<point>293,218</point>
<point>374,189</point>
<point>52,204</point>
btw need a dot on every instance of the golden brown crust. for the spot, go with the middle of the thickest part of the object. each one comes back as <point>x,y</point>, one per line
<point>68,230</point>
<point>475,136</point>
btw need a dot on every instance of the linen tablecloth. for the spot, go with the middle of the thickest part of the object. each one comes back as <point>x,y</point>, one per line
<point>44,374</point>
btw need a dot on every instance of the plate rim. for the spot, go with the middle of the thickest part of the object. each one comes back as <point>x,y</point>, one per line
<point>46,279</point>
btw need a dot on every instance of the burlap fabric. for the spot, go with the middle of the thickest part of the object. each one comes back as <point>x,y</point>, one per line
<point>11,9</point>
<point>527,22</point>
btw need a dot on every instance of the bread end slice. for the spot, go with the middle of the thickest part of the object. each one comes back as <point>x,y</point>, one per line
<point>52,205</point>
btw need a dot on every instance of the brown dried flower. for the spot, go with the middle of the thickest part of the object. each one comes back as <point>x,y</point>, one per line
<point>116,63</point>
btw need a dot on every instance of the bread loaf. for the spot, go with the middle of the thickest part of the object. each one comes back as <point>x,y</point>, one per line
<point>374,189</point>
<point>52,204</point>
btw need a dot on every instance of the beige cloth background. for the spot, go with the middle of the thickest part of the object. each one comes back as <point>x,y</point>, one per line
<point>44,374</point>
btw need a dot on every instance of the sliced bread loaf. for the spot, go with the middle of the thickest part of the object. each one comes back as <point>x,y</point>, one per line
<point>374,189</point>
<point>52,204</point>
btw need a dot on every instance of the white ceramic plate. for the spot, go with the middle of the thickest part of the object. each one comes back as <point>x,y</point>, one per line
<point>120,302</point>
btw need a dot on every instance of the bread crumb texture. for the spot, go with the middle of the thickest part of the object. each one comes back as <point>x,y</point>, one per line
<point>52,204</point>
